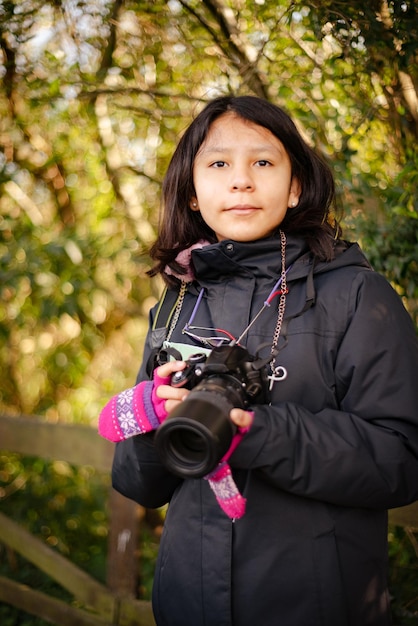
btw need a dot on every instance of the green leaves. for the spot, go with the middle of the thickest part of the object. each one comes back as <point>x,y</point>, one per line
<point>94,98</point>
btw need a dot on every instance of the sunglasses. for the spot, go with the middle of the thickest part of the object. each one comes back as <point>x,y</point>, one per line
<point>210,342</point>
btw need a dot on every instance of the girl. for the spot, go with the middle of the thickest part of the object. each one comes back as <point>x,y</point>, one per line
<point>290,529</point>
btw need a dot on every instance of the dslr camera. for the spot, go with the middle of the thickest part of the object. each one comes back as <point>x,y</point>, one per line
<point>198,432</point>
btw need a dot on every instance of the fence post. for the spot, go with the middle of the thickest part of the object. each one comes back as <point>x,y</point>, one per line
<point>122,557</point>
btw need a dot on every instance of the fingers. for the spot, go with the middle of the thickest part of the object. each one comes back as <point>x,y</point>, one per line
<point>162,375</point>
<point>169,368</point>
<point>170,405</point>
<point>174,395</point>
<point>242,418</point>
<point>164,391</point>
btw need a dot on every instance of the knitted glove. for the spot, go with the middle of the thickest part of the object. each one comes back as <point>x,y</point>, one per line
<point>223,485</point>
<point>134,411</point>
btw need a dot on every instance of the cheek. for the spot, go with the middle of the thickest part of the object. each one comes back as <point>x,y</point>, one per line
<point>208,218</point>
<point>204,187</point>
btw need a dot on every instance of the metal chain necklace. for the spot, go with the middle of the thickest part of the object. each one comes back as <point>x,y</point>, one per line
<point>177,310</point>
<point>278,372</point>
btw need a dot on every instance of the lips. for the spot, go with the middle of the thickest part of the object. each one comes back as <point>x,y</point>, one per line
<point>243,207</point>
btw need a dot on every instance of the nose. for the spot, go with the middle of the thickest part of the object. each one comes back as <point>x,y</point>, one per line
<point>241,179</point>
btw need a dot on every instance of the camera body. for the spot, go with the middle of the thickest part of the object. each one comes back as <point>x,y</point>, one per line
<point>198,432</point>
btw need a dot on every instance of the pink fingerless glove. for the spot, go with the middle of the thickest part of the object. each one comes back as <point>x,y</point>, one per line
<point>223,485</point>
<point>135,411</point>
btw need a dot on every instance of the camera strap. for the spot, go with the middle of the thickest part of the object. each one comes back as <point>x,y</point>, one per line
<point>165,320</point>
<point>167,314</point>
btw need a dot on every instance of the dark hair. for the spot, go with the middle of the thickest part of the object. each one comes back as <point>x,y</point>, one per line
<point>312,218</point>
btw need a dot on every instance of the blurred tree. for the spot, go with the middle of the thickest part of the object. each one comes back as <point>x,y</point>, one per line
<point>378,39</point>
<point>93,97</point>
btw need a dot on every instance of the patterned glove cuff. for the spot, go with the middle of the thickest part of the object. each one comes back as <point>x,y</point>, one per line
<point>129,413</point>
<point>223,485</point>
<point>226,492</point>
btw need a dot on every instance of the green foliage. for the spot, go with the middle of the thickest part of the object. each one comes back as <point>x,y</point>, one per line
<point>403,560</point>
<point>67,506</point>
<point>94,96</point>
<point>388,229</point>
<point>60,504</point>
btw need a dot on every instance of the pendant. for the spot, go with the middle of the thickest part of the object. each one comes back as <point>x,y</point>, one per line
<point>278,374</point>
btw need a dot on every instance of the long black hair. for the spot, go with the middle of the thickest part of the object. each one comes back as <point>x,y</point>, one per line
<point>313,218</point>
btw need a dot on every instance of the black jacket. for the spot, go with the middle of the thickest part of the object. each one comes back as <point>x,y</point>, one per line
<point>337,447</point>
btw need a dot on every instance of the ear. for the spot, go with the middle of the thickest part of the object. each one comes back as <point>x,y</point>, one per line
<point>294,192</point>
<point>193,204</point>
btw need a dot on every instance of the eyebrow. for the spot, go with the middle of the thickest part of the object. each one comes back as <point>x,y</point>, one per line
<point>221,149</point>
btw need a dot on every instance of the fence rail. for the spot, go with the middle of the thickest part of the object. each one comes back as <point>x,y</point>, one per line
<point>74,443</point>
<point>113,604</point>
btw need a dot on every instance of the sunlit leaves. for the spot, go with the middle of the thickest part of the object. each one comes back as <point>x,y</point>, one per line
<point>94,98</point>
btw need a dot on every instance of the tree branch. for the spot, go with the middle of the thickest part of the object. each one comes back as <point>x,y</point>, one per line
<point>228,44</point>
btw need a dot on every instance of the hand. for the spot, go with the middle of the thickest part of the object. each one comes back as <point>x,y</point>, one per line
<point>141,408</point>
<point>171,396</point>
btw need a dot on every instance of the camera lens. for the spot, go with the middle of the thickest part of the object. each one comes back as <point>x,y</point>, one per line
<point>197,434</point>
<point>188,445</point>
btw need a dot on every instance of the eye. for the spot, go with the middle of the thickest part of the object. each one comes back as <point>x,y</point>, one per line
<point>218,164</point>
<point>263,163</point>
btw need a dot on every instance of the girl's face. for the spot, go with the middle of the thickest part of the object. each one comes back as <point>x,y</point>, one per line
<point>243,180</point>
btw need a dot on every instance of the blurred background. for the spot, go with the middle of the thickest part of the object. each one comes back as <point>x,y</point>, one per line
<point>94,95</point>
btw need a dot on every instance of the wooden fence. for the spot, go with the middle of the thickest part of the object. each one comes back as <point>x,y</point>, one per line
<point>113,604</point>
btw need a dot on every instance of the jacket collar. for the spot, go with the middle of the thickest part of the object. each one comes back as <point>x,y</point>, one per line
<point>260,259</point>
